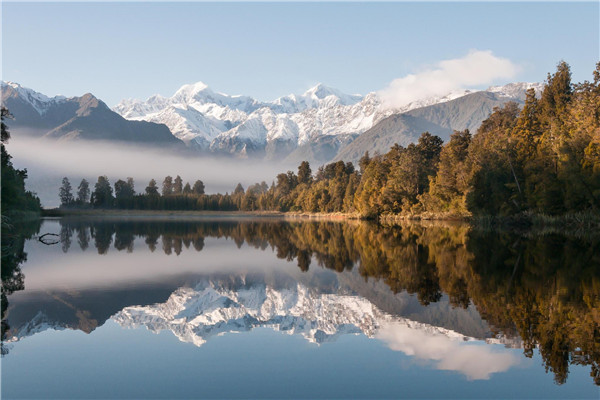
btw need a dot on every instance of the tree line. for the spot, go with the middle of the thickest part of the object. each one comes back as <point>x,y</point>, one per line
<point>172,195</point>
<point>542,158</point>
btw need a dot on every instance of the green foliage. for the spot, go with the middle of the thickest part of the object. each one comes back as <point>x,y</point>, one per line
<point>102,197</point>
<point>198,187</point>
<point>15,198</point>
<point>152,189</point>
<point>178,185</point>
<point>167,186</point>
<point>447,191</point>
<point>65,193</point>
<point>124,192</point>
<point>83,192</point>
<point>304,173</point>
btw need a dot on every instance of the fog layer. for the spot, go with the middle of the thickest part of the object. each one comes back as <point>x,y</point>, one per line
<point>47,162</point>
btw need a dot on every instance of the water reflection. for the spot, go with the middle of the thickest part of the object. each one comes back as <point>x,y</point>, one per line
<point>13,255</point>
<point>447,352</point>
<point>539,290</point>
<point>226,304</point>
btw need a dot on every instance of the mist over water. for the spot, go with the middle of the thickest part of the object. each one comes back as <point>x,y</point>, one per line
<point>47,162</point>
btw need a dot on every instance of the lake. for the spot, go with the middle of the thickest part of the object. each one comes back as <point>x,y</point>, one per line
<point>242,307</point>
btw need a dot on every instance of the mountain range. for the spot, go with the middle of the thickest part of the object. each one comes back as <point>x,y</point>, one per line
<point>83,118</point>
<point>320,125</point>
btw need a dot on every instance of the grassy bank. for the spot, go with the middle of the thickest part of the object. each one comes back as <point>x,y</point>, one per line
<point>16,216</point>
<point>582,221</point>
<point>113,213</point>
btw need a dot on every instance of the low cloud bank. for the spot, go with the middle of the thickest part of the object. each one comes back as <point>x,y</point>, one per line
<point>475,69</point>
<point>48,161</point>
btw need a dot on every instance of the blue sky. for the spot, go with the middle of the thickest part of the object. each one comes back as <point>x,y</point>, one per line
<point>266,50</point>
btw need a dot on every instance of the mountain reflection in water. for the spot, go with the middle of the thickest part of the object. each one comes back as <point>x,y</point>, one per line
<point>428,290</point>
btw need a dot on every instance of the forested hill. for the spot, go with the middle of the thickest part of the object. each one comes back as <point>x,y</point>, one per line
<point>542,158</point>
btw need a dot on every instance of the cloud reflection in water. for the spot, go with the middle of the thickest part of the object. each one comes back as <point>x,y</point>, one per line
<point>470,358</point>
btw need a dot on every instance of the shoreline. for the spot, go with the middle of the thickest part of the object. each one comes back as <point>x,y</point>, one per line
<point>204,214</point>
<point>586,221</point>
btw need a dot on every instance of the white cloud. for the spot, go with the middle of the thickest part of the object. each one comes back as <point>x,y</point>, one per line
<point>475,69</point>
<point>474,360</point>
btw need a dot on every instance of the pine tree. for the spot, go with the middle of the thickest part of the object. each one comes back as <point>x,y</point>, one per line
<point>178,185</point>
<point>83,192</point>
<point>239,189</point>
<point>198,187</point>
<point>152,188</point>
<point>167,186</point>
<point>131,185</point>
<point>103,193</point>
<point>304,173</point>
<point>448,188</point>
<point>364,161</point>
<point>65,193</point>
<point>123,190</point>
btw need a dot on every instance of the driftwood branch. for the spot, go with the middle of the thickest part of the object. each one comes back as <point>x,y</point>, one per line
<point>49,241</point>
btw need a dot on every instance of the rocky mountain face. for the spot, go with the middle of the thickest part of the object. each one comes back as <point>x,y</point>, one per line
<point>85,118</point>
<point>441,119</point>
<point>320,125</point>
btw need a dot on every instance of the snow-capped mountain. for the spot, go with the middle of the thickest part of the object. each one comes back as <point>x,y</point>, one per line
<point>77,118</point>
<point>240,125</point>
<point>216,307</point>
<point>40,102</point>
<point>319,125</point>
<point>516,90</point>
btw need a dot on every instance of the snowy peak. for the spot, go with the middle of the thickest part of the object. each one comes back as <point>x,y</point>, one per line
<point>321,92</point>
<point>199,93</point>
<point>190,90</point>
<point>318,96</point>
<point>516,90</point>
<point>38,101</point>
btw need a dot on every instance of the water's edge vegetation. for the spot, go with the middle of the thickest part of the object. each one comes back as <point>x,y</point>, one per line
<point>571,223</point>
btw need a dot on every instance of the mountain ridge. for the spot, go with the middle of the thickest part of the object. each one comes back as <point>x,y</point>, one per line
<point>316,125</point>
<point>321,125</point>
<point>85,117</point>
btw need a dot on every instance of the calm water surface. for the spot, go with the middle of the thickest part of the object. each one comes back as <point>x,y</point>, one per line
<point>226,308</point>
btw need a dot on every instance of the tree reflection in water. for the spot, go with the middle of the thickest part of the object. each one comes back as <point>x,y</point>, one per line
<point>544,288</point>
<point>13,255</point>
